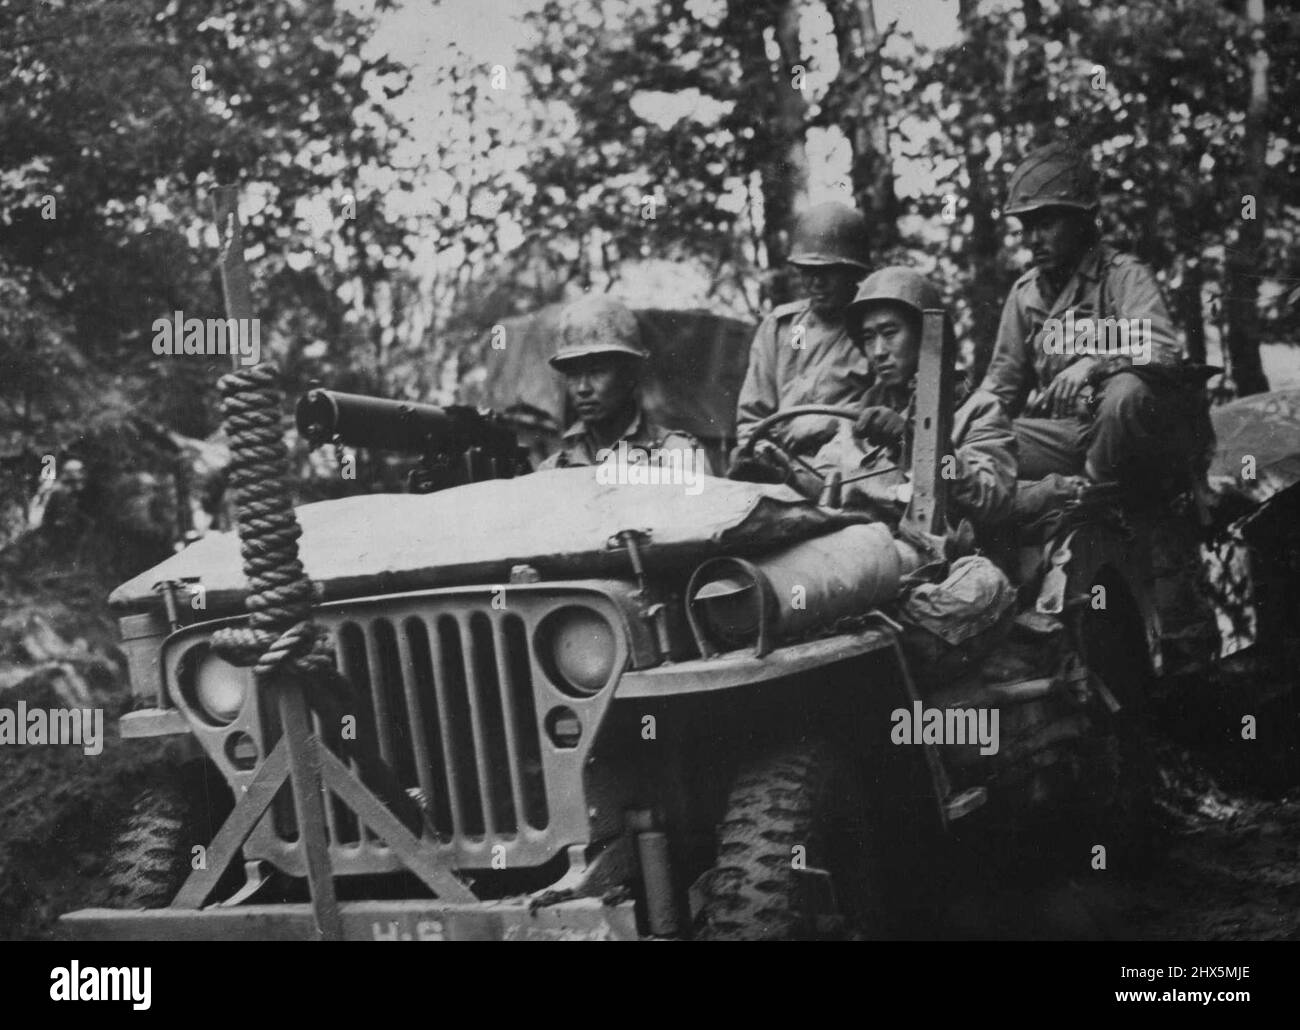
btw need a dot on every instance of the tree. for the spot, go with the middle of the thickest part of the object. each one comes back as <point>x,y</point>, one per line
<point>858,104</point>
<point>729,172</point>
<point>770,111</point>
<point>1241,280</point>
<point>115,118</point>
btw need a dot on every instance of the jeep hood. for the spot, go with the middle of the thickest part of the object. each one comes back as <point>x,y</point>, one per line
<point>561,522</point>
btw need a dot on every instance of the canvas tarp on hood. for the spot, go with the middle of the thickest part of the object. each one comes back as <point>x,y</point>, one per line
<point>561,522</point>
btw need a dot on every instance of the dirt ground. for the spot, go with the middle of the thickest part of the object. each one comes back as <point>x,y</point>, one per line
<point>59,810</point>
<point>1230,871</point>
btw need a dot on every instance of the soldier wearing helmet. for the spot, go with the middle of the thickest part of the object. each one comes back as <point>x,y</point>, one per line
<point>885,320</point>
<point>802,353</point>
<point>601,356</point>
<point>1065,367</point>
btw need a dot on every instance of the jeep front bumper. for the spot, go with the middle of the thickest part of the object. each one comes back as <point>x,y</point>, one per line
<point>511,920</point>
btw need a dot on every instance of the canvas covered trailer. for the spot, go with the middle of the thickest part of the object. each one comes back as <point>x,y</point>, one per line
<point>696,367</point>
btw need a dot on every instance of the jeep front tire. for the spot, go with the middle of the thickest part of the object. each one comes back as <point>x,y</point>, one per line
<point>792,834</point>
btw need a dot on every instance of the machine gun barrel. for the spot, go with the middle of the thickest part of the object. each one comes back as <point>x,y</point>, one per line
<point>457,444</point>
<point>375,422</point>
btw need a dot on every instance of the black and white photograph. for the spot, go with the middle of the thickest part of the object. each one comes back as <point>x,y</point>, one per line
<point>652,470</point>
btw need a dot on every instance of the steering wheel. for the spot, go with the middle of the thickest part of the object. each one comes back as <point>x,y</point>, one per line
<point>787,460</point>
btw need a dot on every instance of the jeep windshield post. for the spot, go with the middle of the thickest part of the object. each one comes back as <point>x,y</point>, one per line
<point>926,516</point>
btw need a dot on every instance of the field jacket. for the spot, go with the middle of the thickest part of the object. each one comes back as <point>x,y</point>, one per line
<point>794,360</point>
<point>1107,284</point>
<point>577,449</point>
<point>983,481</point>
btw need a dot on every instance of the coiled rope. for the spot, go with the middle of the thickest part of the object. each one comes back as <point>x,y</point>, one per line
<point>280,635</point>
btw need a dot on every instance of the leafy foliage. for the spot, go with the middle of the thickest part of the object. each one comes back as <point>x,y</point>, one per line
<point>669,130</point>
<point>116,117</point>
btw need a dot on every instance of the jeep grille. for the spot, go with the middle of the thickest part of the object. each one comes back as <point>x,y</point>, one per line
<point>452,700</point>
<point>459,703</point>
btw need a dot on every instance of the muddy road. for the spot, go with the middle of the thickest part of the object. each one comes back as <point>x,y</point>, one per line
<point>1230,870</point>
<point>1225,864</point>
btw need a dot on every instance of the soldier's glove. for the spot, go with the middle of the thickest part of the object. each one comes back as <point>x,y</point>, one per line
<point>880,427</point>
<point>808,436</point>
<point>759,467</point>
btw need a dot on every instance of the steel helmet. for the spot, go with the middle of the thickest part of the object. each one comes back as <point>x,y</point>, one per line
<point>1057,175</point>
<point>597,324</point>
<point>830,234</point>
<point>895,285</point>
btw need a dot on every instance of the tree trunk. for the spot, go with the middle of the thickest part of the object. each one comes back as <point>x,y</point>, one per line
<point>1190,312</point>
<point>778,121</point>
<point>856,102</point>
<point>1242,266</point>
<point>791,109</point>
<point>985,289</point>
<point>1030,85</point>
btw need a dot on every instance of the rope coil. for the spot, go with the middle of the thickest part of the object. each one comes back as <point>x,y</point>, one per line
<point>280,635</point>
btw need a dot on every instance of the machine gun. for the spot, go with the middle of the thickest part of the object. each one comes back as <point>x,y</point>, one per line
<point>457,444</point>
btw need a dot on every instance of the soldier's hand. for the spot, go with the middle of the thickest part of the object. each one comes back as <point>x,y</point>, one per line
<point>808,436</point>
<point>1061,398</point>
<point>759,467</point>
<point>880,426</point>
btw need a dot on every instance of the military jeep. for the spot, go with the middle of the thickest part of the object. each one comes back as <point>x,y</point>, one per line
<point>622,710</point>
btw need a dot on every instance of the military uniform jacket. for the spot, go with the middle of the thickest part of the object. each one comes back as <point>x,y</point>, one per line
<point>983,485</point>
<point>578,449</point>
<point>824,368</point>
<point>1106,284</point>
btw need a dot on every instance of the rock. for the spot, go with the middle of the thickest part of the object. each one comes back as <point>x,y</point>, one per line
<point>41,642</point>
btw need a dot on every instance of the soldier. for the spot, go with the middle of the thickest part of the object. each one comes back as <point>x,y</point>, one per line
<point>601,356</point>
<point>1066,332</point>
<point>67,514</point>
<point>802,353</point>
<point>885,318</point>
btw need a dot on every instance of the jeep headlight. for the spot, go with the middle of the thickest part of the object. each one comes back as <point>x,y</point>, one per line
<point>577,648</point>
<point>220,688</point>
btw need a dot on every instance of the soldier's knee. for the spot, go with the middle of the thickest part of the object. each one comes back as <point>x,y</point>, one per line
<point>1127,399</point>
